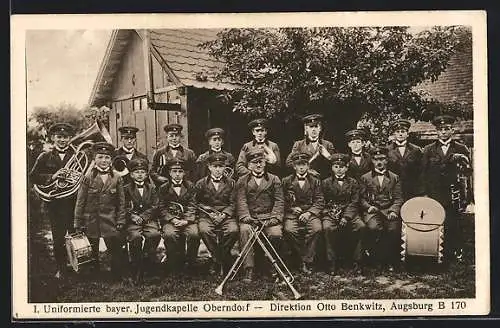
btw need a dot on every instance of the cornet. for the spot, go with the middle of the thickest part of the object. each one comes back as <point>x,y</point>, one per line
<point>120,165</point>
<point>228,172</point>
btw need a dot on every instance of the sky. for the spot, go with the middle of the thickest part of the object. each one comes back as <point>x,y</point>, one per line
<point>62,65</point>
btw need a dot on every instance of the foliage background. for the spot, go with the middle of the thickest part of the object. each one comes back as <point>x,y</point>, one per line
<point>40,120</point>
<point>362,73</point>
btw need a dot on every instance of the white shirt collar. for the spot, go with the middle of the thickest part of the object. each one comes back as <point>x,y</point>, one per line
<point>445,143</point>
<point>400,144</point>
<point>128,151</point>
<point>62,150</point>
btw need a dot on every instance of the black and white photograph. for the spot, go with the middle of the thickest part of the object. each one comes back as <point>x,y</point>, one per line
<point>250,165</point>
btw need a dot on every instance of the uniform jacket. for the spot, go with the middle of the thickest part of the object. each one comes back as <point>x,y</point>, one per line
<point>355,170</point>
<point>387,197</point>
<point>100,206</point>
<point>241,163</point>
<point>47,164</point>
<point>136,154</point>
<point>222,199</point>
<point>253,200</point>
<point>439,170</point>
<point>309,198</point>
<point>407,167</point>
<point>146,205</point>
<point>320,164</point>
<point>186,198</point>
<point>346,197</point>
<point>163,155</point>
<point>201,164</point>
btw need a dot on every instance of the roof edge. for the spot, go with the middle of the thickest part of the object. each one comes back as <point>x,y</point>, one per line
<point>102,66</point>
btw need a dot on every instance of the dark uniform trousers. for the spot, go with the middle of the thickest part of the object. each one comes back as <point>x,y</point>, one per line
<point>407,167</point>
<point>176,238</point>
<point>342,201</point>
<point>100,208</point>
<point>165,154</point>
<point>60,212</point>
<point>320,164</point>
<point>142,239</point>
<point>439,172</point>
<point>383,236</point>
<point>303,237</point>
<point>221,200</point>
<point>259,201</point>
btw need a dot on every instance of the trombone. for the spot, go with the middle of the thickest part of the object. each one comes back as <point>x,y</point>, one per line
<point>270,252</point>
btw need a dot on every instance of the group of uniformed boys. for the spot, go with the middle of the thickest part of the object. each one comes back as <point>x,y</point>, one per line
<point>333,206</point>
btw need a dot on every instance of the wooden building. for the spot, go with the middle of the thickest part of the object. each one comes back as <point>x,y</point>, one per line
<point>178,72</point>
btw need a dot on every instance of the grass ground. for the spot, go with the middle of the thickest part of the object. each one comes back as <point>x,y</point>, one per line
<point>421,279</point>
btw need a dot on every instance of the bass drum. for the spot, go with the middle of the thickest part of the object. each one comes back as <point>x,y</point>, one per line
<point>79,250</point>
<point>422,229</point>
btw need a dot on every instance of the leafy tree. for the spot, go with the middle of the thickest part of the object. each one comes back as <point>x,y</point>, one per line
<point>40,120</point>
<point>372,71</point>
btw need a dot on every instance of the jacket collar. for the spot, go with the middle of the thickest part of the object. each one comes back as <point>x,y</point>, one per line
<point>308,141</point>
<point>254,142</point>
<point>374,173</point>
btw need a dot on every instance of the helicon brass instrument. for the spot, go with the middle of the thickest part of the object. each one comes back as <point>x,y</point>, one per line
<point>258,236</point>
<point>72,174</point>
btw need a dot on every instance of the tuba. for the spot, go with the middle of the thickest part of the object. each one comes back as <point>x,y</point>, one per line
<point>461,189</point>
<point>77,166</point>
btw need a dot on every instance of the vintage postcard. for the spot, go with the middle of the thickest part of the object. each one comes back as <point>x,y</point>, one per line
<point>193,166</point>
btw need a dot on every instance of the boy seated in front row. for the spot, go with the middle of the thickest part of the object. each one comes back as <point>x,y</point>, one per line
<point>381,199</point>
<point>215,199</point>
<point>303,206</point>
<point>143,231</point>
<point>100,207</point>
<point>342,222</point>
<point>177,216</point>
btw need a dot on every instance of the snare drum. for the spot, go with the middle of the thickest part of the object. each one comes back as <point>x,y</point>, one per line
<point>79,250</point>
